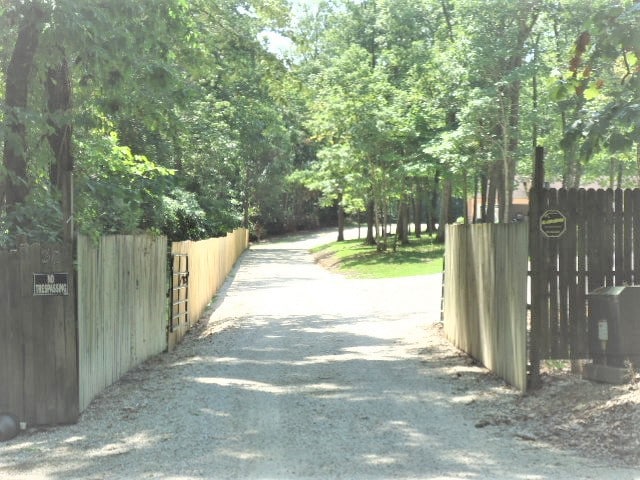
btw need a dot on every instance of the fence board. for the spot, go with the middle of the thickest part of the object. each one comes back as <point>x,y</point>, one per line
<point>485,296</point>
<point>576,307</point>
<point>566,265</point>
<point>627,257</point>
<point>618,238</point>
<point>121,307</point>
<point>635,253</point>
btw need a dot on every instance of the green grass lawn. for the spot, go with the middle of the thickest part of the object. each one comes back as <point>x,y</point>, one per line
<point>355,259</point>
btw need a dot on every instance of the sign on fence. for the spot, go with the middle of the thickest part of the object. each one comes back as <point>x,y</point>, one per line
<point>50,284</point>
<point>553,223</point>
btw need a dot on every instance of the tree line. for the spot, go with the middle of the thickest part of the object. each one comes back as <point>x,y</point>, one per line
<point>177,117</point>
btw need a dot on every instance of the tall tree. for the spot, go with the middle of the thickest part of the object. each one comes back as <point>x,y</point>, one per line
<point>30,17</point>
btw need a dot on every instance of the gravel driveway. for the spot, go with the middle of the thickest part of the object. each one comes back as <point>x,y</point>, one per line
<point>298,374</point>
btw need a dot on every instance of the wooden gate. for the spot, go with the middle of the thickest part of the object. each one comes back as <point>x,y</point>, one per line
<point>38,340</point>
<point>579,240</point>
<point>179,311</point>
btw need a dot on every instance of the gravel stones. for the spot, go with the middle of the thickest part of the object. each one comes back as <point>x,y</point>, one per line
<point>298,373</point>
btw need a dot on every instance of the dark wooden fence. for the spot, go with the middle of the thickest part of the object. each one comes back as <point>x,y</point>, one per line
<point>38,366</point>
<point>485,296</point>
<point>600,246</point>
<point>580,240</point>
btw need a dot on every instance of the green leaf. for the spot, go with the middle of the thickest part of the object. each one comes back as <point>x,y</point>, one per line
<point>592,92</point>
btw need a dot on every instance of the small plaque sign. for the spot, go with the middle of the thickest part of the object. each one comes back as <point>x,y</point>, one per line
<point>553,223</point>
<point>48,284</point>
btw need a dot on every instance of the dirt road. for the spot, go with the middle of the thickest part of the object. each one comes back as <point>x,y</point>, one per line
<point>299,374</point>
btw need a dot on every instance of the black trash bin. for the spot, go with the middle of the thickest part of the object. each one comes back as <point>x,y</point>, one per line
<point>614,325</point>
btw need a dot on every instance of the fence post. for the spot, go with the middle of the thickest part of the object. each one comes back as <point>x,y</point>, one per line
<point>535,253</point>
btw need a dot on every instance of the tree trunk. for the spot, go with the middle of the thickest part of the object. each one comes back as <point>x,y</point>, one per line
<point>445,208</point>
<point>402,228</point>
<point>465,196</point>
<point>474,213</point>
<point>340,222</point>
<point>511,141</point>
<point>58,89</point>
<point>417,209</point>
<point>371,221</point>
<point>484,192</point>
<point>16,95</point>
<point>434,201</point>
<point>491,199</point>
<point>501,192</point>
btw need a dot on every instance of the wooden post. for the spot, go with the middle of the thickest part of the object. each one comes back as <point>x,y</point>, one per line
<point>535,252</point>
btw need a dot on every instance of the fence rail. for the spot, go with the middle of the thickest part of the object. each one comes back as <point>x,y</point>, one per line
<point>485,296</point>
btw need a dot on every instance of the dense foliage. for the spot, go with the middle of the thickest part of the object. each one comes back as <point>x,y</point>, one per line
<point>177,117</point>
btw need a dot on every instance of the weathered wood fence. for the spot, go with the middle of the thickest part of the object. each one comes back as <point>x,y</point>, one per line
<point>580,240</point>
<point>485,296</point>
<point>210,261</point>
<point>598,246</point>
<point>38,368</point>
<point>122,308</point>
<point>52,363</point>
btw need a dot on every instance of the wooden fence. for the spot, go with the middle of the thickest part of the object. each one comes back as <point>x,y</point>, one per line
<point>598,246</point>
<point>122,308</point>
<point>485,296</point>
<point>54,362</point>
<point>210,261</point>
<point>38,366</point>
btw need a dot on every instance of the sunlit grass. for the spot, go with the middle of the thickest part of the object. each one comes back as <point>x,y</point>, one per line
<point>355,259</point>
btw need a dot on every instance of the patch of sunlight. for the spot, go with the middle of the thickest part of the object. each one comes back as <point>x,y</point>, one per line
<point>470,458</point>
<point>373,459</point>
<point>375,353</point>
<point>74,439</point>
<point>126,445</point>
<point>414,437</point>
<point>240,455</point>
<point>313,388</point>
<point>215,413</point>
<point>242,383</point>
<point>229,360</point>
<point>264,350</point>
<point>187,361</point>
<point>324,389</point>
<point>464,399</point>
<point>26,446</point>
<point>380,352</point>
